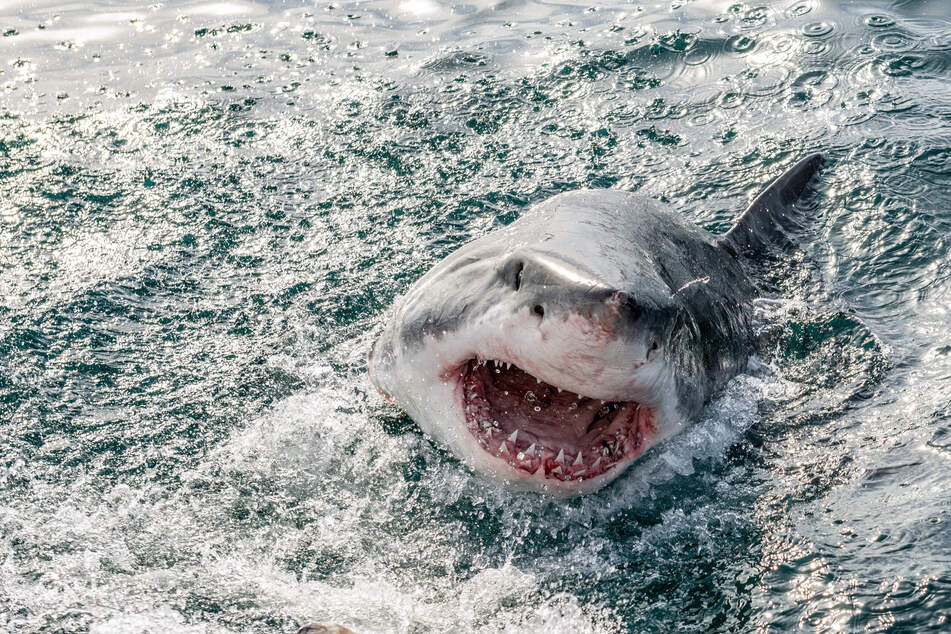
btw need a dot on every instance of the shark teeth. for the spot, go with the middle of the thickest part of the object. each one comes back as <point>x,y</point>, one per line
<point>549,455</point>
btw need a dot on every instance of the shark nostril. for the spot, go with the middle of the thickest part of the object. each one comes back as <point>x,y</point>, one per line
<point>517,282</point>
<point>539,310</point>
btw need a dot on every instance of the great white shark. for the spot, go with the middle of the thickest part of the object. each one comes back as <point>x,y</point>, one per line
<point>551,353</point>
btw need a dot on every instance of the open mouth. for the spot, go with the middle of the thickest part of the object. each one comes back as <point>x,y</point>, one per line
<point>546,431</point>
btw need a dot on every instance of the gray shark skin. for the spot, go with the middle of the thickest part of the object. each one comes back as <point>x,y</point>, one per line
<point>551,353</point>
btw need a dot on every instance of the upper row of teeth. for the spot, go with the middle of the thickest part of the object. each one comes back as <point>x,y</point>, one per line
<point>537,380</point>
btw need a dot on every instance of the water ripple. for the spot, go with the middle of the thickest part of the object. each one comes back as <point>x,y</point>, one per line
<point>818,29</point>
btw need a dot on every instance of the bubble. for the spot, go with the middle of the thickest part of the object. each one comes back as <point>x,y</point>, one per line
<point>818,29</point>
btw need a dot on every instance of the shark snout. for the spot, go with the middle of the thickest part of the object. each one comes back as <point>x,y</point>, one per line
<point>552,287</point>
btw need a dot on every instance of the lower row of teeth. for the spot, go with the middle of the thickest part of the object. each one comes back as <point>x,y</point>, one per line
<point>535,456</point>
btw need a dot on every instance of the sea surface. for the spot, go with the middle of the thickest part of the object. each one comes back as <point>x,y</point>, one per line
<point>208,207</point>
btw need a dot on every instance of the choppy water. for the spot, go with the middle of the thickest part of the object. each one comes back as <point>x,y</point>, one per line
<point>207,207</point>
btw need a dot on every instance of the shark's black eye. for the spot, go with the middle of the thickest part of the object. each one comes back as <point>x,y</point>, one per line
<point>539,310</point>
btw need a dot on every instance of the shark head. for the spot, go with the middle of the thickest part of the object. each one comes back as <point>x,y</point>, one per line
<point>549,354</point>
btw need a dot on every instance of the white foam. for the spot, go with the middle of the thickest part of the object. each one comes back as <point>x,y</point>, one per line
<point>375,550</point>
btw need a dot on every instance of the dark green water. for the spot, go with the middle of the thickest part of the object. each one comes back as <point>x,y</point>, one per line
<point>207,208</point>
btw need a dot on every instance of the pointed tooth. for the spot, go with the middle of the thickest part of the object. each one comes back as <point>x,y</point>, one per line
<point>578,460</point>
<point>508,365</point>
<point>557,470</point>
<point>580,397</point>
<point>538,380</point>
<point>559,390</point>
<point>603,402</point>
<point>580,473</point>
<point>503,450</point>
<point>596,463</point>
<point>561,456</point>
<point>531,450</point>
<point>513,436</point>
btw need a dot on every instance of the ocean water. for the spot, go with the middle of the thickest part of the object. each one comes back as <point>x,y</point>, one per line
<point>207,207</point>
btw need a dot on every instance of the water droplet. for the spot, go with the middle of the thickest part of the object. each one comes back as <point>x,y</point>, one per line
<point>893,42</point>
<point>799,9</point>
<point>879,21</point>
<point>740,44</point>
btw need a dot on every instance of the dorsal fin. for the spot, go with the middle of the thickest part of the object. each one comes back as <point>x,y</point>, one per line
<point>772,217</point>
